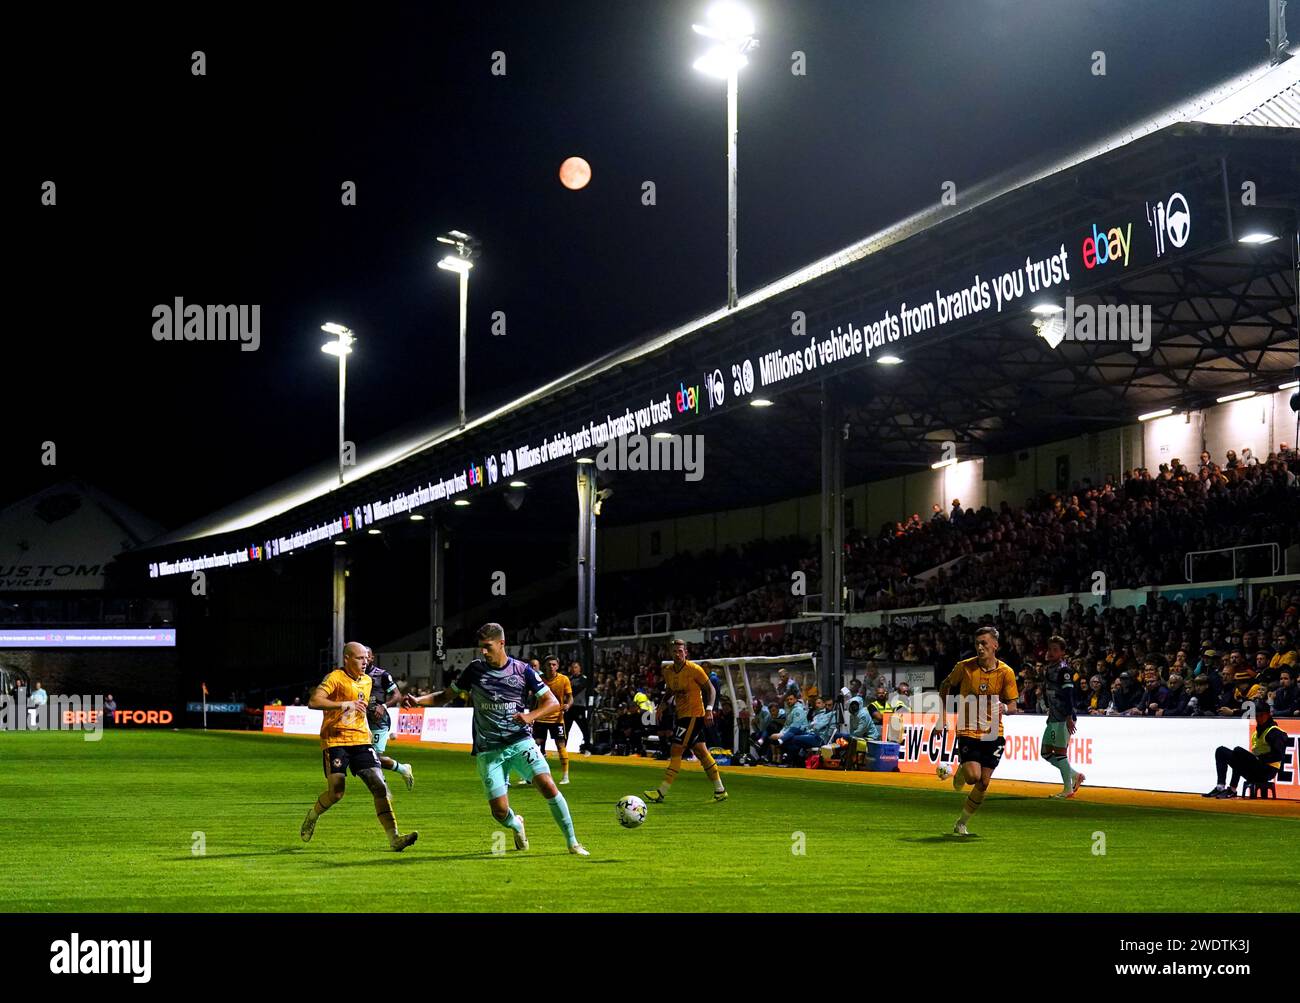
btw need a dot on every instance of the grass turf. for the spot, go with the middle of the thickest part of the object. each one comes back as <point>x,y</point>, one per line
<point>110,826</point>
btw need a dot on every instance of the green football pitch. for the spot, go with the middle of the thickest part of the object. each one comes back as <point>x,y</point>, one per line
<point>195,822</point>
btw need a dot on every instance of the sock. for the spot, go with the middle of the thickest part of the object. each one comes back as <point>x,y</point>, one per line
<point>384,811</point>
<point>511,821</point>
<point>1062,763</point>
<point>674,767</point>
<point>560,812</point>
<point>973,801</point>
<point>396,767</point>
<point>564,759</point>
<point>711,768</point>
<point>317,810</point>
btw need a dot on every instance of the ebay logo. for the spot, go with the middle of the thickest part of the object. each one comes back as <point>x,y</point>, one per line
<point>1107,245</point>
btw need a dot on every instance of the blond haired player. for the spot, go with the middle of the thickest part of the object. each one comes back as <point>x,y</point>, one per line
<point>551,720</point>
<point>686,681</point>
<point>345,743</point>
<point>987,688</point>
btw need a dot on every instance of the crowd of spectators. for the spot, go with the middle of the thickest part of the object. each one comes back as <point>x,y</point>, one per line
<point>1135,532</point>
<point>1203,657</point>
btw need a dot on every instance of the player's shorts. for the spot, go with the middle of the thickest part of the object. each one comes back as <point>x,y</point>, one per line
<point>974,750</point>
<point>339,758</point>
<point>379,739</point>
<point>1057,735</point>
<point>688,730</point>
<point>494,765</point>
<point>555,729</point>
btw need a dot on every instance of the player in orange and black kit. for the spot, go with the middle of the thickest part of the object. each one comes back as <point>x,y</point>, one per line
<point>552,723</point>
<point>686,682</point>
<point>345,743</point>
<point>987,689</point>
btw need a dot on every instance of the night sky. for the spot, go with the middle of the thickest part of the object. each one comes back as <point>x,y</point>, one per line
<point>226,189</point>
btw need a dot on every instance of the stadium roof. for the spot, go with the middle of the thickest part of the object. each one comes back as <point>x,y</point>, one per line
<point>1225,319</point>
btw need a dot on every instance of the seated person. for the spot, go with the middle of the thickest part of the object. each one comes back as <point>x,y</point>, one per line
<point>1260,763</point>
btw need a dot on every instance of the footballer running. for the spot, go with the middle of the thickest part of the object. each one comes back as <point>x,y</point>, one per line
<point>686,681</point>
<point>503,739</point>
<point>982,683</point>
<point>552,722</point>
<point>384,693</point>
<point>345,743</point>
<point>1059,690</point>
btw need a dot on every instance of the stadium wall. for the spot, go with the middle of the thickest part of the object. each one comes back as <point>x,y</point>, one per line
<point>1171,755</point>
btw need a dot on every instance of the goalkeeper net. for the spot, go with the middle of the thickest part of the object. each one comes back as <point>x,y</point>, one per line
<point>742,681</point>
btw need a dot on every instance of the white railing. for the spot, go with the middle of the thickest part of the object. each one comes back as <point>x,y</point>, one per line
<point>652,623</point>
<point>1273,548</point>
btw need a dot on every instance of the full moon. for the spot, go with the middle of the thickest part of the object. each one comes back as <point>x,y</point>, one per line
<point>575,173</point>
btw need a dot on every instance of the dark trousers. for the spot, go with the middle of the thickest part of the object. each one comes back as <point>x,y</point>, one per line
<point>1244,764</point>
<point>578,715</point>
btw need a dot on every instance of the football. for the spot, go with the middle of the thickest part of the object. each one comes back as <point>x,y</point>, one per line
<point>631,812</point>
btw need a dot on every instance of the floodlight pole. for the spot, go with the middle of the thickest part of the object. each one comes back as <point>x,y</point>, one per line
<point>831,674</point>
<point>464,312</point>
<point>733,88</point>
<point>586,484</point>
<point>343,383</point>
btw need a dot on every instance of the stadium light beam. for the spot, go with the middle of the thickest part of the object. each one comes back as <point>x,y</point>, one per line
<point>1234,397</point>
<point>341,347</point>
<point>1162,413</point>
<point>889,360</point>
<point>731,27</point>
<point>1257,237</point>
<point>944,463</point>
<point>466,249</point>
<point>760,402</point>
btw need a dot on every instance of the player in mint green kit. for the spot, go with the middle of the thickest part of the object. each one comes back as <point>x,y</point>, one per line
<point>1058,685</point>
<point>503,732</point>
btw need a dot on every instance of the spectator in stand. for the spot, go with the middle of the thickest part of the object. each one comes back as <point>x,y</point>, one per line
<point>1125,696</point>
<point>1201,703</point>
<point>1286,698</point>
<point>1284,652</point>
<point>1155,695</point>
<point>1176,704</point>
<point>110,708</point>
<point>1095,698</point>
